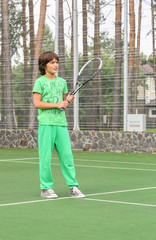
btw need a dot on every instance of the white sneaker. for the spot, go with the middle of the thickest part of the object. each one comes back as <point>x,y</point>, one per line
<point>76,193</point>
<point>48,193</point>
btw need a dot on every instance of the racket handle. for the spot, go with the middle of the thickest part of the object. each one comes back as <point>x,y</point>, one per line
<point>62,109</point>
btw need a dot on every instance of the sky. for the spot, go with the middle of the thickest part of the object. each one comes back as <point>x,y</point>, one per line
<point>109,11</point>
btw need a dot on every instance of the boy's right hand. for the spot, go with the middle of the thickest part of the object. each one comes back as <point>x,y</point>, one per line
<point>63,104</point>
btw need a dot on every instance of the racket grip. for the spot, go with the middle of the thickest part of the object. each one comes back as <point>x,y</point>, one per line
<point>62,109</point>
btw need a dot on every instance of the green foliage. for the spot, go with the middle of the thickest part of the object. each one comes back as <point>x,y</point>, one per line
<point>18,77</point>
<point>150,60</point>
<point>146,60</point>
<point>143,59</point>
<point>155,13</point>
<point>48,40</point>
<point>91,10</point>
<point>107,53</point>
<point>15,21</point>
<point>107,72</point>
<point>18,90</point>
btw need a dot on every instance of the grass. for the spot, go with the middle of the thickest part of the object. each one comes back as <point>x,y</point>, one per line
<point>120,202</point>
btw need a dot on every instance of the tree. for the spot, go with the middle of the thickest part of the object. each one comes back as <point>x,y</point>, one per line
<point>155,12</point>
<point>72,47</point>
<point>18,76</point>
<point>138,53</point>
<point>32,34</point>
<point>87,93</point>
<point>118,65</point>
<point>131,53</point>
<point>69,68</point>
<point>15,26</point>
<point>2,82</point>
<point>38,47</point>
<point>10,112</point>
<point>49,42</point>
<point>155,45</point>
<point>97,88</point>
<point>61,50</point>
<point>25,54</point>
<point>15,19</point>
<point>153,39</point>
<point>85,31</point>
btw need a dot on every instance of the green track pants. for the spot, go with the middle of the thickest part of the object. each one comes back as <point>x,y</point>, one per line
<point>58,136</point>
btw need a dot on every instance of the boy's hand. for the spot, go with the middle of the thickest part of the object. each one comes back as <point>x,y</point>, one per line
<point>63,104</point>
<point>70,97</point>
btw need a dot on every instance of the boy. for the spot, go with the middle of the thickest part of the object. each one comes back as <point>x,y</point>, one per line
<point>48,97</point>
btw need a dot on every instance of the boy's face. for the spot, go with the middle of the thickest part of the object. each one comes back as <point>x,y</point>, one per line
<point>52,66</point>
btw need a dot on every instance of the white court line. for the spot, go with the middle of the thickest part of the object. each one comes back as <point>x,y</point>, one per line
<point>87,166</point>
<point>87,195</point>
<point>121,191</point>
<point>118,168</point>
<point>85,160</point>
<point>16,159</point>
<point>135,163</point>
<point>28,202</point>
<point>127,203</point>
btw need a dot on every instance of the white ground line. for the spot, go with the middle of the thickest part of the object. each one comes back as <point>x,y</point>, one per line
<point>118,202</point>
<point>17,159</point>
<point>121,191</point>
<point>85,160</point>
<point>118,168</point>
<point>35,201</point>
<point>87,195</point>
<point>135,163</point>
<point>87,166</point>
<point>20,161</point>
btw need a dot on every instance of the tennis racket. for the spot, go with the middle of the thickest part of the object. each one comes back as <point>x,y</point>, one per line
<point>89,70</point>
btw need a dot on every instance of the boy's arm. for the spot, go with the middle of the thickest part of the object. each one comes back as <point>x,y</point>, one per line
<point>38,104</point>
<point>64,97</point>
<point>70,97</point>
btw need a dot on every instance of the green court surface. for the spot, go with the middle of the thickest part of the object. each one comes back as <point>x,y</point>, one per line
<point>120,201</point>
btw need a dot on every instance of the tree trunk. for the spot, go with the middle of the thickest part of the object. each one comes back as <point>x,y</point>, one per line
<point>138,54</point>
<point>153,40</point>
<point>85,42</point>
<point>87,92</point>
<point>2,84</point>
<point>116,114</point>
<point>25,53</point>
<point>69,111</point>
<point>61,51</point>
<point>97,88</point>
<point>72,48</point>
<point>131,53</point>
<point>38,47</point>
<point>10,111</point>
<point>31,33</point>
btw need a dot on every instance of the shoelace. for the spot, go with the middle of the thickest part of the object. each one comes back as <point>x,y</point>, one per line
<point>51,191</point>
<point>76,190</point>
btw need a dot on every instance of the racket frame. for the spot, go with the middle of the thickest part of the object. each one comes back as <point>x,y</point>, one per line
<point>80,85</point>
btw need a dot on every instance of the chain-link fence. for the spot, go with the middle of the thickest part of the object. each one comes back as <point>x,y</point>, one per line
<point>28,28</point>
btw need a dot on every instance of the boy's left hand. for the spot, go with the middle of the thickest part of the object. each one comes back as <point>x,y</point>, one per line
<point>70,97</point>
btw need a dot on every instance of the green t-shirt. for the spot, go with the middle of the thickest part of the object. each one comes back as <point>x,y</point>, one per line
<point>51,92</point>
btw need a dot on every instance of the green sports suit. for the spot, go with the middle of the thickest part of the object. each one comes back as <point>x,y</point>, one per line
<point>52,132</point>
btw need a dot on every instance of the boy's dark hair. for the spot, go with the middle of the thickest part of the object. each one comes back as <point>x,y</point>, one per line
<point>44,59</point>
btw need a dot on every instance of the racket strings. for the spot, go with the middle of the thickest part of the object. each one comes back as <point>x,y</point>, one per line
<point>89,71</point>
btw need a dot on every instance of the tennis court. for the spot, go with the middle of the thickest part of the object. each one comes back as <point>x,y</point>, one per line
<point>120,201</point>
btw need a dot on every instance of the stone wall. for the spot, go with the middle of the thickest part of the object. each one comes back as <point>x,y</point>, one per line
<point>18,138</point>
<point>126,142</point>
